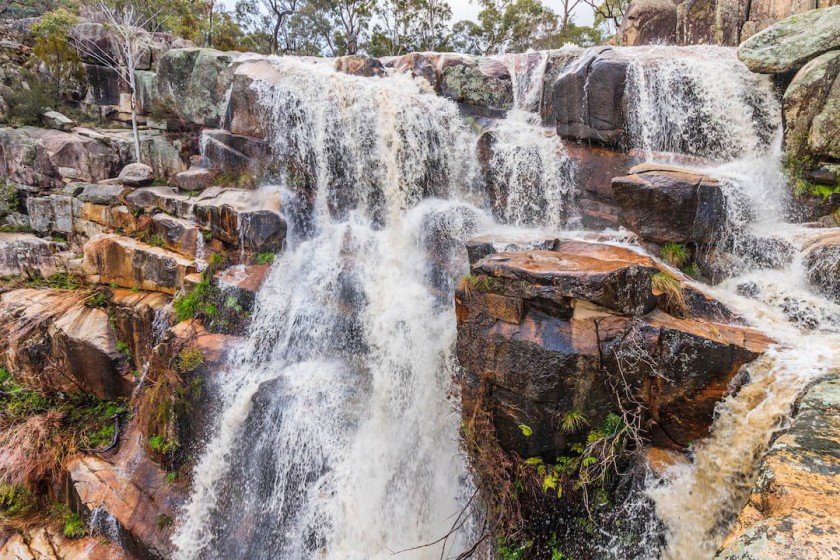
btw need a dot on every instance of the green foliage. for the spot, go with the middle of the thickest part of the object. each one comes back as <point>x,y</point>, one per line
<point>526,430</point>
<point>591,463</point>
<point>9,200</point>
<point>98,299</point>
<point>672,290</point>
<point>674,254</point>
<point>216,260</point>
<point>188,360</point>
<point>263,258</point>
<point>89,417</point>
<point>163,520</point>
<point>572,422</point>
<point>124,348</point>
<point>691,270</point>
<point>506,550</point>
<point>27,103</point>
<point>61,61</point>
<point>156,240</point>
<point>171,477</point>
<point>190,304</point>
<point>162,446</point>
<point>57,281</point>
<point>15,501</point>
<point>74,526</point>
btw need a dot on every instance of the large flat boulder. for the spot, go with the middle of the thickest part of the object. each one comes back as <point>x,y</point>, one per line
<point>52,341</point>
<point>23,160</point>
<point>583,327</point>
<point>78,157</point>
<point>240,216</point>
<point>22,253</point>
<point>789,44</point>
<point>129,263</point>
<point>792,511</point>
<point>666,204</point>
<point>764,13</point>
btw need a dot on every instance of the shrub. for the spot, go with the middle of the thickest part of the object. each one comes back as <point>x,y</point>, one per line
<point>61,61</point>
<point>263,258</point>
<point>74,526</point>
<point>98,299</point>
<point>8,198</point>
<point>40,430</point>
<point>671,289</point>
<point>188,360</point>
<point>27,105</point>
<point>16,501</point>
<point>674,254</point>
<point>189,304</point>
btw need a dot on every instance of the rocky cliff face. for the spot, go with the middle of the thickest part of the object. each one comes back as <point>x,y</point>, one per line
<point>705,22</point>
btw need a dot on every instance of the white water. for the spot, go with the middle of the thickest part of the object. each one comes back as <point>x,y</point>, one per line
<point>339,436</point>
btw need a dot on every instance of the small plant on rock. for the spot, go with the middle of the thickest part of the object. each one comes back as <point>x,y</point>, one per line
<point>669,287</point>
<point>74,526</point>
<point>188,360</point>
<point>263,258</point>
<point>674,254</point>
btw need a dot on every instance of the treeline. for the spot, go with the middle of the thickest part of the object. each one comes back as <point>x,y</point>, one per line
<point>375,27</point>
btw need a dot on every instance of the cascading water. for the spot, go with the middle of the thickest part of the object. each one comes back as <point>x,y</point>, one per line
<point>339,436</point>
<point>702,102</point>
<point>532,178</point>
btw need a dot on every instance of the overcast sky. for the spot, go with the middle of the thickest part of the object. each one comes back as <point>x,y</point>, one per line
<point>468,9</point>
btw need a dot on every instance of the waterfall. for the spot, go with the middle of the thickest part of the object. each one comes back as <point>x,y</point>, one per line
<point>338,431</point>
<point>699,101</point>
<point>532,178</point>
<point>339,436</point>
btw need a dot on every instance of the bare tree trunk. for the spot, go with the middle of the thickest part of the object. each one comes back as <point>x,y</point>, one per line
<point>134,128</point>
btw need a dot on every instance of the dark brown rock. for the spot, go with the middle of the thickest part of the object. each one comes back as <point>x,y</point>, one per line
<point>665,204</point>
<point>587,99</point>
<point>574,328</point>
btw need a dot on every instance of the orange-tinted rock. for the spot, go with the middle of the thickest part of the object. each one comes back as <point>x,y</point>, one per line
<point>140,319</point>
<point>574,327</point>
<point>132,490</point>
<point>792,512</point>
<point>608,276</point>
<point>132,264</point>
<point>51,341</point>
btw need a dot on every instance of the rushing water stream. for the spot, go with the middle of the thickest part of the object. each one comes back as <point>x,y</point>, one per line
<point>338,431</point>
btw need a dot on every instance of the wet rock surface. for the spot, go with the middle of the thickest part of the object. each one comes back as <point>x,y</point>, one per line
<point>666,204</point>
<point>577,328</point>
<point>792,511</point>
